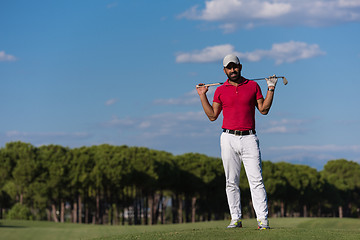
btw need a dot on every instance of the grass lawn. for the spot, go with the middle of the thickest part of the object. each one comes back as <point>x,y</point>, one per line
<point>281,228</point>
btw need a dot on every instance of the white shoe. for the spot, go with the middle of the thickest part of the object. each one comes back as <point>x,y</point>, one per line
<point>236,223</point>
<point>263,224</point>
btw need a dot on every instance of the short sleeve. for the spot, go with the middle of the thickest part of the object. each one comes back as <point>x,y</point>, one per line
<point>217,96</point>
<point>258,92</point>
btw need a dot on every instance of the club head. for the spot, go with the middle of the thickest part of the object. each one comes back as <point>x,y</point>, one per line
<point>285,81</point>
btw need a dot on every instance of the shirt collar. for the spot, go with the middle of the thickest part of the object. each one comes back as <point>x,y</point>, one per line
<point>229,84</point>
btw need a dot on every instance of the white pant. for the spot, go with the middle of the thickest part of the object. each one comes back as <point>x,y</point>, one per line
<point>234,150</point>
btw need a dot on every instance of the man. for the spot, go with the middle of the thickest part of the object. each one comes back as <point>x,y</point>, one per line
<point>237,98</point>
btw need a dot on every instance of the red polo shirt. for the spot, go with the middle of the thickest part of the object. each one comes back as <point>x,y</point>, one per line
<point>238,104</point>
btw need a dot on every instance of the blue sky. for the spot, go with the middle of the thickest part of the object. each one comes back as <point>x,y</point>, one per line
<point>82,73</point>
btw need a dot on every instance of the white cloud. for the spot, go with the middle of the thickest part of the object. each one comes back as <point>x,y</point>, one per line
<point>280,52</point>
<point>284,126</point>
<point>277,129</point>
<point>46,138</point>
<point>115,121</point>
<point>110,102</point>
<point>229,27</point>
<point>145,124</point>
<point>176,101</point>
<point>112,5</point>
<point>208,54</point>
<point>189,98</point>
<point>276,12</point>
<point>163,124</point>
<point>6,57</point>
<point>285,52</point>
<point>18,134</point>
<point>349,3</point>
<point>293,51</point>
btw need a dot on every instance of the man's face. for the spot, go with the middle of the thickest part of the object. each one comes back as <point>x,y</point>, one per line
<point>233,71</point>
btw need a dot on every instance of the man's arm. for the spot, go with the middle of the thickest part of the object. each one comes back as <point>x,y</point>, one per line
<point>265,105</point>
<point>212,112</point>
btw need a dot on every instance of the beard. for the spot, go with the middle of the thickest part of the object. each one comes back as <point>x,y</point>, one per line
<point>235,76</point>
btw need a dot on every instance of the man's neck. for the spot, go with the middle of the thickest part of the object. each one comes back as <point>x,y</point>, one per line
<point>237,82</point>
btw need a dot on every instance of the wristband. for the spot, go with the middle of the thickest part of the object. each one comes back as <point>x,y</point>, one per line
<point>272,90</point>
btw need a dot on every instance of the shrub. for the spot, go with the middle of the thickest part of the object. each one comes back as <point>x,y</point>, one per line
<point>19,212</point>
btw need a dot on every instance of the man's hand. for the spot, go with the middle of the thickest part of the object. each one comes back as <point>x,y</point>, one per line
<point>211,111</point>
<point>271,81</point>
<point>201,89</point>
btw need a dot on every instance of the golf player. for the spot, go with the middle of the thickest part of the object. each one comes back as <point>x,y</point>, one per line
<point>237,98</point>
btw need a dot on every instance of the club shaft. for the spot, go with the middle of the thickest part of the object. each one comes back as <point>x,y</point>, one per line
<point>209,85</point>
<point>256,79</point>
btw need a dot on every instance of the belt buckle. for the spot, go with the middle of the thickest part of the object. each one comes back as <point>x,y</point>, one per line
<point>238,132</point>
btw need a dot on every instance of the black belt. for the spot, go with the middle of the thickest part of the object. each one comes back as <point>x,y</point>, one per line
<point>238,132</point>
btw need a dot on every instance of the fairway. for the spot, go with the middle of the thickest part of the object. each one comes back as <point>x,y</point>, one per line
<point>282,228</point>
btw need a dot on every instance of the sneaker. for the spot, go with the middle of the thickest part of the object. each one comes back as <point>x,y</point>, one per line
<point>263,224</point>
<point>236,223</point>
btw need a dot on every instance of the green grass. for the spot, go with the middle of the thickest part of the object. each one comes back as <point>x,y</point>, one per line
<point>281,229</point>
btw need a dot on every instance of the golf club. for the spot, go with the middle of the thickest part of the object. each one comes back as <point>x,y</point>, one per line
<point>285,81</point>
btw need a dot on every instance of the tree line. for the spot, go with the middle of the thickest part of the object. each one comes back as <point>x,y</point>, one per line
<point>106,184</point>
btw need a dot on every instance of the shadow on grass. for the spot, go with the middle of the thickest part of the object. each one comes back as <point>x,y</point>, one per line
<point>10,226</point>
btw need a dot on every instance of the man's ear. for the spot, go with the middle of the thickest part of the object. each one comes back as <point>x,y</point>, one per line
<point>240,67</point>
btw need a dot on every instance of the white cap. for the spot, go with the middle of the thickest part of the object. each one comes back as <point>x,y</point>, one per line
<point>230,59</point>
